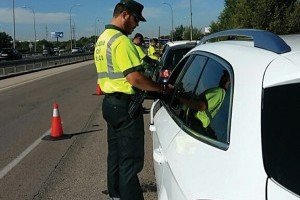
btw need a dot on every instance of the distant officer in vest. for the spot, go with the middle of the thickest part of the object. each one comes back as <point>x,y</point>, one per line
<point>152,53</point>
<point>147,63</point>
<point>118,66</point>
<point>138,41</point>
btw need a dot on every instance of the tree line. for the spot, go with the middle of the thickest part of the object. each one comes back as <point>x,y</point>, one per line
<point>6,42</point>
<point>277,16</point>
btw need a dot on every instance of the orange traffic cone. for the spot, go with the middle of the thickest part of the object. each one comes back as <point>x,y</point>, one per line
<point>56,129</point>
<point>98,90</point>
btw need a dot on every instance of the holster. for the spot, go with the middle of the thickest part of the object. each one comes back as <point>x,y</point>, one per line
<point>135,106</point>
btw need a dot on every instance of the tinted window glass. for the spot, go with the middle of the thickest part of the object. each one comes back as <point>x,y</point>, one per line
<point>209,107</point>
<point>164,49</point>
<point>173,56</point>
<point>178,69</point>
<point>186,86</point>
<point>280,135</point>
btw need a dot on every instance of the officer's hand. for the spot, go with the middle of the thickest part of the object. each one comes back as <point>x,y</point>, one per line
<point>167,89</point>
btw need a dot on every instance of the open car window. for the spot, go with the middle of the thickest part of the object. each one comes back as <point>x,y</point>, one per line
<point>201,100</point>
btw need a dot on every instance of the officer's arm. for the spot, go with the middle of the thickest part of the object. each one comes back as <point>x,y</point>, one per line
<point>141,82</point>
<point>147,59</point>
<point>156,53</point>
<point>150,61</point>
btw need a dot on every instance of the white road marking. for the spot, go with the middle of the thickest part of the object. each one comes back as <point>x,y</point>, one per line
<point>18,159</point>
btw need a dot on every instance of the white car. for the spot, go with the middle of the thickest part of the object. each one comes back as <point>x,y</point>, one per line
<point>230,129</point>
<point>76,50</point>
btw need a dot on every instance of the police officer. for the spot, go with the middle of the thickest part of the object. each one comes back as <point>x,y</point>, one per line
<point>138,41</point>
<point>148,64</point>
<point>118,64</point>
<point>152,53</point>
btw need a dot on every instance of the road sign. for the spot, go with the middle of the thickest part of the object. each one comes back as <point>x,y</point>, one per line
<point>57,34</point>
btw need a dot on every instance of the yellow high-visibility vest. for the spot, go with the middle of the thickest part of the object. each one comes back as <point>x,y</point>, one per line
<point>141,51</point>
<point>215,98</point>
<point>151,51</point>
<point>115,56</point>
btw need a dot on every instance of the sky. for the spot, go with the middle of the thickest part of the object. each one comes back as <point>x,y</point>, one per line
<point>90,16</point>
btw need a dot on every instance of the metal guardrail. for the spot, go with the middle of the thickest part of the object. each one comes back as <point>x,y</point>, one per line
<point>13,68</point>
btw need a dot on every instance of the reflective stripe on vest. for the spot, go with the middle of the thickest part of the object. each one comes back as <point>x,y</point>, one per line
<point>111,74</point>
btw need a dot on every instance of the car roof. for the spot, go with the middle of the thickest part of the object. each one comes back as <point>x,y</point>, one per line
<point>261,38</point>
<point>7,49</point>
<point>283,70</point>
<point>293,40</point>
<point>273,66</point>
<point>239,54</point>
<point>181,42</point>
<point>182,46</point>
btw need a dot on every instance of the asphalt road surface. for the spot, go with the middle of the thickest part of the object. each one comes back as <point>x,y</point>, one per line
<point>74,167</point>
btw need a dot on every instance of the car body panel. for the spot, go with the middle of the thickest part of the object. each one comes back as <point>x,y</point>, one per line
<point>161,143</point>
<point>185,151</point>
<point>280,192</point>
<point>292,40</point>
<point>153,110</point>
<point>283,69</point>
<point>163,124</point>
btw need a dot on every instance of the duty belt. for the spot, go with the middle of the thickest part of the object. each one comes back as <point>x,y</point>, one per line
<point>119,98</point>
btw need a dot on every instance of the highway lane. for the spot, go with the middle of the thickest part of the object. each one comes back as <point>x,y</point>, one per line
<point>77,164</point>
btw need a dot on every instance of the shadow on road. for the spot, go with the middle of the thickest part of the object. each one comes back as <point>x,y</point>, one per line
<point>68,136</point>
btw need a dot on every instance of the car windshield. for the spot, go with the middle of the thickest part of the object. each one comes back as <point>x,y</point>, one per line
<point>173,56</point>
<point>281,136</point>
<point>7,50</point>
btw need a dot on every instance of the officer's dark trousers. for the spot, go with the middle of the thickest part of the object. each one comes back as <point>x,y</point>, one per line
<point>125,149</point>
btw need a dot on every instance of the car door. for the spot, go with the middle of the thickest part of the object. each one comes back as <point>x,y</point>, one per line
<point>161,141</point>
<point>166,128</point>
<point>163,129</point>
<point>188,150</point>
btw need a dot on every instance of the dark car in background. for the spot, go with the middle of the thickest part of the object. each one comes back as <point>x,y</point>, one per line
<point>172,54</point>
<point>48,52</point>
<point>10,54</point>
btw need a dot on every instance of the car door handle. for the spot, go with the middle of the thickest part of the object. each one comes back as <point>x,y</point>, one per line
<point>158,156</point>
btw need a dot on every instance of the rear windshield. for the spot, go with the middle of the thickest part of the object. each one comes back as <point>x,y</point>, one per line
<point>6,50</point>
<point>173,56</point>
<point>281,135</point>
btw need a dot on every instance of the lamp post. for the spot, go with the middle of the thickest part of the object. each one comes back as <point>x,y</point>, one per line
<point>96,20</point>
<point>172,18</point>
<point>191,20</point>
<point>71,23</point>
<point>33,26</point>
<point>14,22</point>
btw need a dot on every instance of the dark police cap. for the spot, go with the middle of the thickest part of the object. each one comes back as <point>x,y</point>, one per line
<point>138,35</point>
<point>134,7</point>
